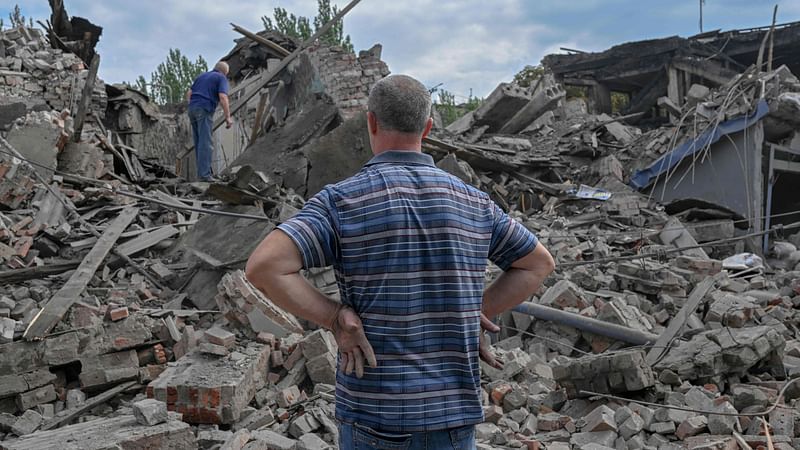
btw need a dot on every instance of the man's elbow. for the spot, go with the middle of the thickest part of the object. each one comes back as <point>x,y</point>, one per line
<point>546,262</point>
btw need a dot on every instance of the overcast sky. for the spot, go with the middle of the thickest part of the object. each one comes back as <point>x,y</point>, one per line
<point>468,45</point>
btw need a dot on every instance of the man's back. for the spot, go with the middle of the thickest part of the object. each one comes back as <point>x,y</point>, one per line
<point>409,243</point>
<point>206,89</point>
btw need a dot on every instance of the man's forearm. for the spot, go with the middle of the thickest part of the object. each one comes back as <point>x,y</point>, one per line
<point>226,106</point>
<point>522,280</point>
<point>510,289</point>
<point>293,293</point>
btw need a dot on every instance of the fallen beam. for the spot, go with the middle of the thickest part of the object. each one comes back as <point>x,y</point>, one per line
<point>265,42</point>
<point>676,324</point>
<point>86,98</point>
<point>31,273</point>
<point>69,415</point>
<point>61,301</point>
<point>607,329</point>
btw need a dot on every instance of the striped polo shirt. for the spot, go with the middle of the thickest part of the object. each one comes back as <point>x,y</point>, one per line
<point>409,244</point>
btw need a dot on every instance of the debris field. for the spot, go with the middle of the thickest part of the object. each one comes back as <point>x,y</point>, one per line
<point>672,320</point>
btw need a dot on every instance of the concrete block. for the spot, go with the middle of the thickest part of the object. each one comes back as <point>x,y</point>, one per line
<point>150,412</point>
<point>44,394</point>
<point>303,425</point>
<point>630,427</point>
<point>322,369</point>
<point>317,343</point>
<point>600,419</point>
<point>274,440</point>
<point>311,441</point>
<point>27,423</point>
<point>500,106</point>
<point>543,101</point>
<point>218,336</point>
<point>213,349</point>
<point>208,389</point>
<point>691,427</point>
<point>603,438</point>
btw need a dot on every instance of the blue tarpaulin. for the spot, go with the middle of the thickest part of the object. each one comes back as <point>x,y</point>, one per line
<point>643,178</point>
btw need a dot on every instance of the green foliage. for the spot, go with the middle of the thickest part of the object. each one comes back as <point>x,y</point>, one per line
<point>528,75</point>
<point>619,101</point>
<point>16,19</point>
<point>295,26</point>
<point>446,105</point>
<point>300,27</point>
<point>172,78</point>
<point>452,111</point>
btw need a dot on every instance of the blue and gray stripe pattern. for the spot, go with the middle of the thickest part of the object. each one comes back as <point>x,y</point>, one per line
<point>409,244</point>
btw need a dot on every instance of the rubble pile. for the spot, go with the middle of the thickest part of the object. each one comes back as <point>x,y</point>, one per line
<point>127,322</point>
<point>36,77</point>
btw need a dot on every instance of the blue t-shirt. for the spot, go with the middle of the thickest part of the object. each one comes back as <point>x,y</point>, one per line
<point>206,89</point>
<point>409,244</point>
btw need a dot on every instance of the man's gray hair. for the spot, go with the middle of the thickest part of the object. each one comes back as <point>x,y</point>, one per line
<point>221,66</point>
<point>400,103</point>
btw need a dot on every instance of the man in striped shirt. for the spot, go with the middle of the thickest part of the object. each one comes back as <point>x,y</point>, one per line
<point>409,244</point>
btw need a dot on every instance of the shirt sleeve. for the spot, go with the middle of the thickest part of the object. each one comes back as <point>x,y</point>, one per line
<point>223,85</point>
<point>313,231</point>
<point>510,240</point>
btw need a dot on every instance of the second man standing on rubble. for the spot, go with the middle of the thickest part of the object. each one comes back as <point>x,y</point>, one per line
<point>208,89</point>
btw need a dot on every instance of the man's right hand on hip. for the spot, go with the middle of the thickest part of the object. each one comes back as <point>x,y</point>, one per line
<point>353,345</point>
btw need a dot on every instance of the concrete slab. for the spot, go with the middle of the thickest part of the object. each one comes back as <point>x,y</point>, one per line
<point>121,432</point>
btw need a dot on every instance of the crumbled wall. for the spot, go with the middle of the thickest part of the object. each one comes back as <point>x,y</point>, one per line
<point>347,77</point>
<point>40,77</point>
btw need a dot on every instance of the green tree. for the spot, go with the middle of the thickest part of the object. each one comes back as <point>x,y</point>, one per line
<point>300,27</point>
<point>449,109</point>
<point>172,78</point>
<point>528,75</point>
<point>16,19</point>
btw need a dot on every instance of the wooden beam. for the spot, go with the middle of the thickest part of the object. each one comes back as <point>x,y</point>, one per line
<point>69,415</point>
<point>60,302</point>
<point>272,74</point>
<point>86,97</point>
<point>262,104</point>
<point>677,323</point>
<point>147,240</point>
<point>31,273</point>
<point>265,42</point>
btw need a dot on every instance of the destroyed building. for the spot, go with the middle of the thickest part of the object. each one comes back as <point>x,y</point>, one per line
<point>671,321</point>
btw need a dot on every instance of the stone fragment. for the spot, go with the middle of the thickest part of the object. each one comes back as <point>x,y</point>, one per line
<point>27,423</point>
<point>311,441</point>
<point>633,425</point>
<point>691,427</point>
<point>722,425</point>
<point>150,412</point>
<point>600,419</point>
<point>218,336</point>
<point>273,440</point>
<point>213,349</point>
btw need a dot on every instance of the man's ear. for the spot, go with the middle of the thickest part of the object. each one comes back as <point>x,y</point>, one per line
<point>428,126</point>
<point>372,123</point>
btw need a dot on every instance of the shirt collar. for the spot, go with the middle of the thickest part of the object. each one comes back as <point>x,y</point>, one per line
<point>402,157</point>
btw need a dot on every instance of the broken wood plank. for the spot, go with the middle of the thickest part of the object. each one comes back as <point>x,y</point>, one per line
<point>30,273</point>
<point>677,322</point>
<point>61,301</point>
<point>86,98</point>
<point>277,48</point>
<point>147,240</point>
<point>69,415</point>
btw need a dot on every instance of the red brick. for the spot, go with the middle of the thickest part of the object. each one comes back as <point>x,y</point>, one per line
<point>116,314</point>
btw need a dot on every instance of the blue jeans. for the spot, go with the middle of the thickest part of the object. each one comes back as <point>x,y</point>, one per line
<point>202,124</point>
<point>359,437</point>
